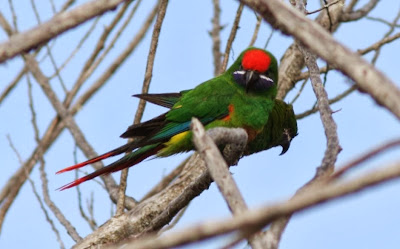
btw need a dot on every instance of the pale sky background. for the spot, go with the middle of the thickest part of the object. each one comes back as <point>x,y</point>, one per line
<point>369,219</point>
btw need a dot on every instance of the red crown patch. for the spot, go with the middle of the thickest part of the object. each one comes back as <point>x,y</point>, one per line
<point>257,60</point>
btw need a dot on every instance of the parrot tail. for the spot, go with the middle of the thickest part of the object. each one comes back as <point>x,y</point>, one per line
<point>129,160</point>
<point>114,152</point>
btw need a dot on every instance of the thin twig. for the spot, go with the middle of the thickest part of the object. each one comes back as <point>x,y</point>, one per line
<point>87,72</point>
<point>326,6</point>
<point>331,101</point>
<point>42,207</point>
<point>378,19</point>
<point>49,53</point>
<point>215,36</point>
<point>299,92</point>
<point>390,31</point>
<point>14,15</point>
<point>117,62</point>
<point>88,68</point>
<point>383,148</point>
<point>90,221</point>
<point>12,84</point>
<point>78,47</point>
<point>145,88</point>
<point>36,134</point>
<point>256,29</point>
<point>269,39</point>
<point>348,15</point>
<point>232,36</point>
<point>56,211</point>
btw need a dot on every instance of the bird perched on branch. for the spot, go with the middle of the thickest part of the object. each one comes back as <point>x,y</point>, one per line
<point>242,97</point>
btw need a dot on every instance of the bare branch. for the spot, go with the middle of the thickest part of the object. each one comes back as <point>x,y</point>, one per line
<point>166,180</point>
<point>262,216</point>
<point>218,168</point>
<point>232,36</point>
<point>364,157</point>
<point>145,88</point>
<point>77,48</point>
<point>60,23</point>
<point>216,39</point>
<point>92,223</point>
<point>45,190</point>
<point>12,84</point>
<point>90,63</point>
<point>256,29</point>
<point>378,19</point>
<point>331,101</point>
<point>379,44</point>
<point>364,74</point>
<point>292,61</point>
<point>333,148</point>
<point>326,6</point>
<point>360,13</point>
<point>12,187</point>
<point>155,212</point>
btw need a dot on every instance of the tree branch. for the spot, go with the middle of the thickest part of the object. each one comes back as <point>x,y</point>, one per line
<point>262,216</point>
<point>290,21</point>
<point>24,42</point>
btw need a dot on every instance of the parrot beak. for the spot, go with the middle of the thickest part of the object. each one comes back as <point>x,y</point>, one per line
<point>285,147</point>
<point>251,77</point>
<point>286,138</point>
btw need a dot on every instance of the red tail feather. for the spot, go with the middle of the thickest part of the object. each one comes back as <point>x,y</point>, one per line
<point>74,183</point>
<point>122,163</point>
<point>93,160</point>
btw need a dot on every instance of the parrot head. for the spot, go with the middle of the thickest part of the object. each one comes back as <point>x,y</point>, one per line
<point>256,70</point>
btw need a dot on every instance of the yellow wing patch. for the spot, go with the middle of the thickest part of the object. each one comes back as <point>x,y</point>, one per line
<point>177,138</point>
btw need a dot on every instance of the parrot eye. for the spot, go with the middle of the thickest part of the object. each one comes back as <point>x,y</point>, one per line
<point>258,81</point>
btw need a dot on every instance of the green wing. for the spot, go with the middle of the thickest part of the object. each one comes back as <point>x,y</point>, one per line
<point>163,99</point>
<point>207,102</point>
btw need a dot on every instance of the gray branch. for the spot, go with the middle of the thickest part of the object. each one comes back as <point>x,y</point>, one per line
<point>23,42</point>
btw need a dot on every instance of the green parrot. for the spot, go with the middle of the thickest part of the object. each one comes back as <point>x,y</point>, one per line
<point>243,96</point>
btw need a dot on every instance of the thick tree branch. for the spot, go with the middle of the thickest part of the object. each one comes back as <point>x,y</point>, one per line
<point>262,216</point>
<point>219,170</point>
<point>217,166</point>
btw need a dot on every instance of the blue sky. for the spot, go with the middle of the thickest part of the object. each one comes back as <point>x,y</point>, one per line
<point>366,220</point>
